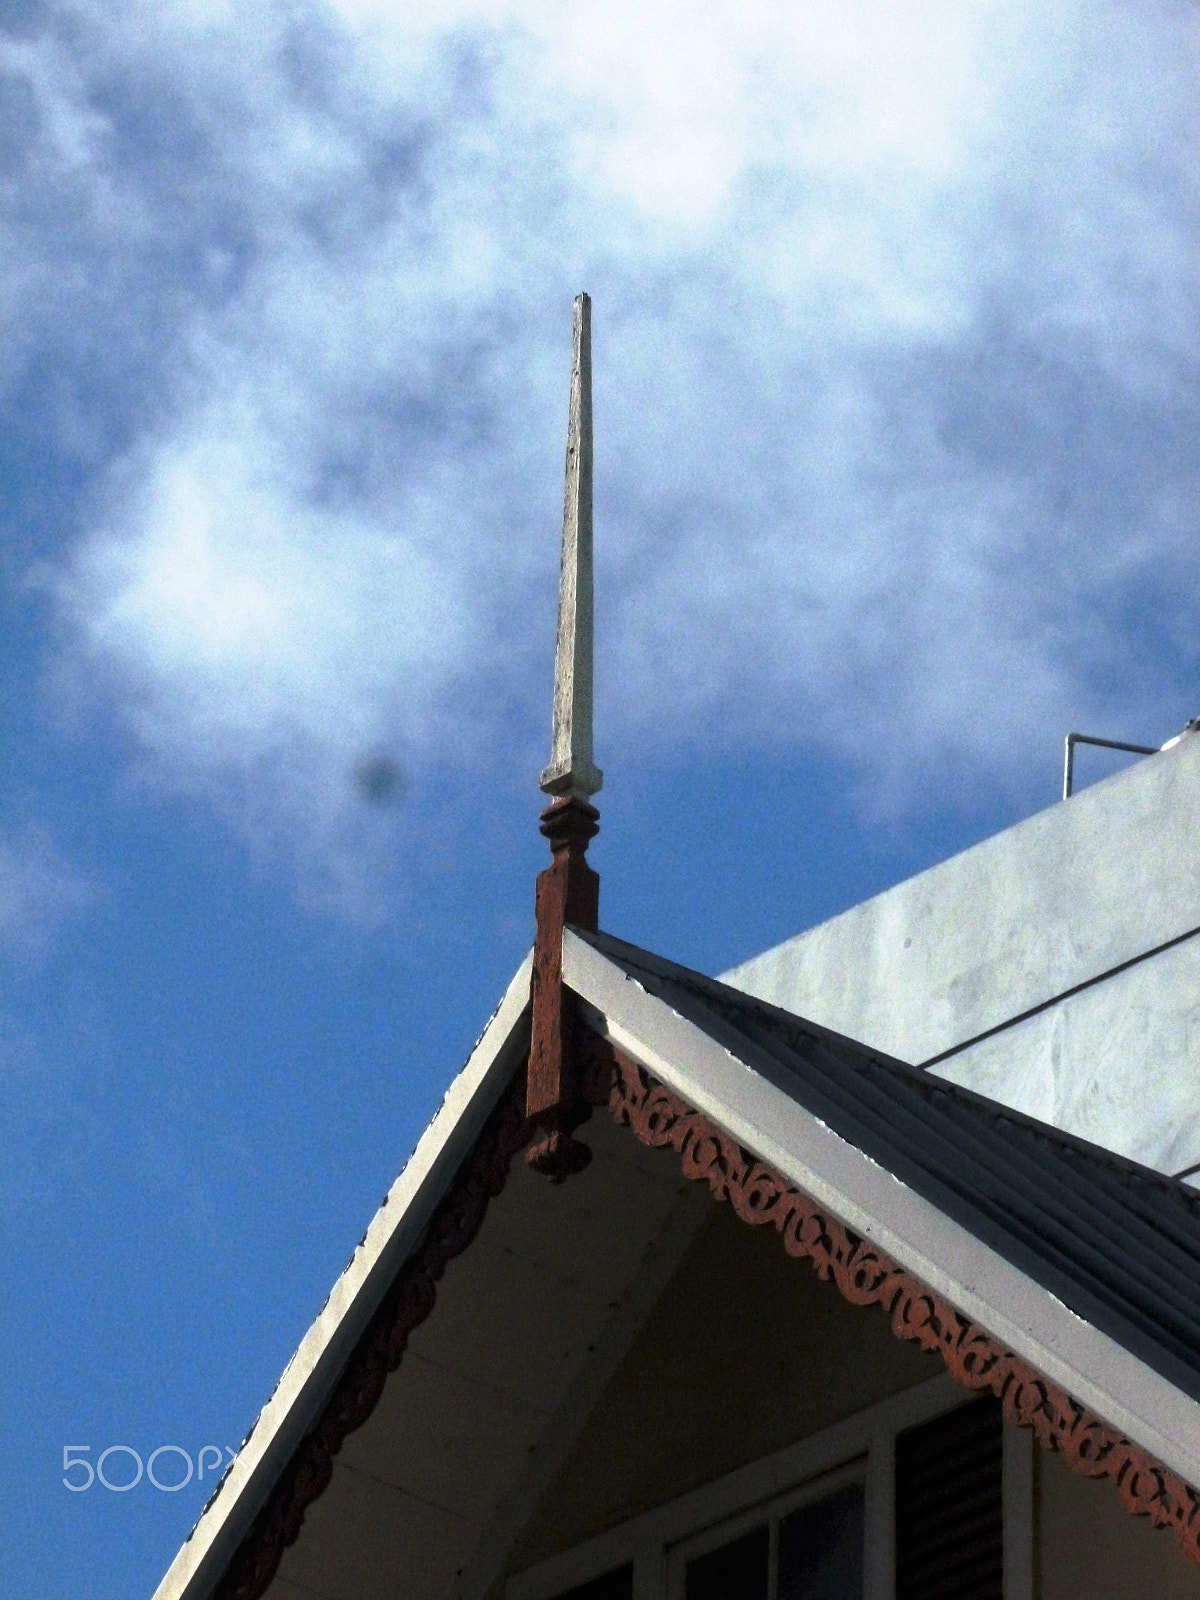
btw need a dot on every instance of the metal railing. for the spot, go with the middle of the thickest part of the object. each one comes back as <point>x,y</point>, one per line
<point>1108,744</point>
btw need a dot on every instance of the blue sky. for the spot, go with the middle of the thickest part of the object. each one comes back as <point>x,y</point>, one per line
<point>896,351</point>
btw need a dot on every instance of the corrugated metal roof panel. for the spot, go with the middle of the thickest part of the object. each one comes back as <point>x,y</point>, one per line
<point>1117,1243</point>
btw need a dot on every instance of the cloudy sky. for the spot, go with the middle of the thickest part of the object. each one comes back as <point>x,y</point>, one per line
<point>896,349</point>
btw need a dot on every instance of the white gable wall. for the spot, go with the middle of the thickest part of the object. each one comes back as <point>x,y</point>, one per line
<point>1067,912</point>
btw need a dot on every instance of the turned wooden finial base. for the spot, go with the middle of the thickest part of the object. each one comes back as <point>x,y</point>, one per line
<point>568,894</point>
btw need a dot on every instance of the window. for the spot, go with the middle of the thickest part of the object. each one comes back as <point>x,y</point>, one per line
<point>821,1549</point>
<point>739,1570</point>
<point>812,1552</point>
<point>925,1496</point>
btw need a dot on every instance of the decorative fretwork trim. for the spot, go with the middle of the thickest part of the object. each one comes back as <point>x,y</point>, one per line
<point>759,1195</point>
<point>867,1277</point>
<point>406,1305</point>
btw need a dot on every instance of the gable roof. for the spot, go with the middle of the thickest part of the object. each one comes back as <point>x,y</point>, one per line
<point>654,1011</point>
<point>1085,1265</point>
<point>1116,1242</point>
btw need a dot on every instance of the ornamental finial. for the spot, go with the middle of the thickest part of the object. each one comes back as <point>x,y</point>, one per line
<point>568,891</point>
<point>571,770</point>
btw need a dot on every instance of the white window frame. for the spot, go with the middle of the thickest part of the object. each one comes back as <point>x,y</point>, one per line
<point>859,1448</point>
<point>772,1513</point>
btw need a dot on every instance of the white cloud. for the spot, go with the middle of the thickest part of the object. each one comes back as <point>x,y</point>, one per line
<point>240,607</point>
<point>896,376</point>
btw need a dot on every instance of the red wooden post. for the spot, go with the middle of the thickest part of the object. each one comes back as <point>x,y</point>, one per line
<point>568,893</point>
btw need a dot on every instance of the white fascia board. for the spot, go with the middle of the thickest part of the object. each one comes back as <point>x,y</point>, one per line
<point>1032,1322</point>
<point>314,1369</point>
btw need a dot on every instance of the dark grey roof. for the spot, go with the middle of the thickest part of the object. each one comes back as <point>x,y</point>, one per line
<point>1116,1242</point>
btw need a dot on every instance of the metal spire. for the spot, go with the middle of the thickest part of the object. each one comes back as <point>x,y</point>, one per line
<point>571,770</point>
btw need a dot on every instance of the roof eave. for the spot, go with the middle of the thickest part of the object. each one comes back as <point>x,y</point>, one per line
<point>983,1285</point>
<point>393,1233</point>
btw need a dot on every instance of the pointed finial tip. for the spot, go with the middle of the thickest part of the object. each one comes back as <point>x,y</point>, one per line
<point>572,770</point>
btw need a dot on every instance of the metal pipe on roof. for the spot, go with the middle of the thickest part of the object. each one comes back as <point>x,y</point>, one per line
<point>1108,744</point>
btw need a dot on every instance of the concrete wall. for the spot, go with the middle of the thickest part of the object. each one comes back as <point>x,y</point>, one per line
<point>748,1351</point>
<point>1040,916</point>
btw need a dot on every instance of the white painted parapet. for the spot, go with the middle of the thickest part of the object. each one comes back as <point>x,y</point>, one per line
<point>1054,967</point>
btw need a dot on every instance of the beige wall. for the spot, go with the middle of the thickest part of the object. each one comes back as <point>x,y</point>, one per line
<point>746,1351</point>
<point>1090,1548</point>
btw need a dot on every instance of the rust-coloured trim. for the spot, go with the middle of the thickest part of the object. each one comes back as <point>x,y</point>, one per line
<point>863,1274</point>
<point>866,1277</point>
<point>378,1352</point>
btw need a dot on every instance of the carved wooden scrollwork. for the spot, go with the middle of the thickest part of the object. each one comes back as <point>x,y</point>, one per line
<point>405,1306</point>
<point>759,1196</point>
<point>867,1277</point>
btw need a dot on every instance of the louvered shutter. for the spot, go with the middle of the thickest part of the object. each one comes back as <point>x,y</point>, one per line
<point>949,1508</point>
